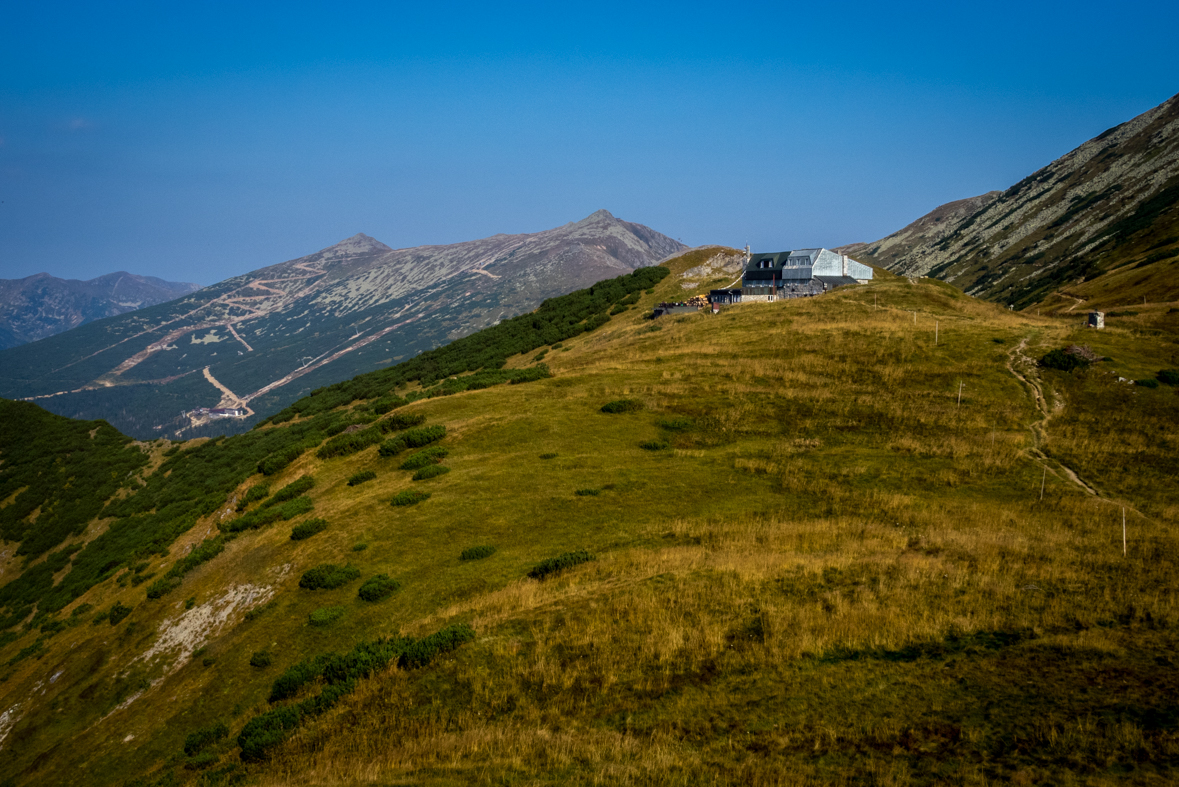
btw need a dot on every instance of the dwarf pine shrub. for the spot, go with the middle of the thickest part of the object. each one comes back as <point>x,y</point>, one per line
<point>291,491</point>
<point>477,553</point>
<point>325,616</point>
<point>427,456</point>
<point>1151,383</point>
<point>265,731</point>
<point>654,445</point>
<point>308,528</point>
<point>423,651</point>
<point>588,492</point>
<point>423,435</point>
<point>1065,362</point>
<point>550,455</point>
<point>361,477</point>
<point>198,741</point>
<point>409,497</point>
<point>400,421</point>
<point>678,423</point>
<point>252,521</point>
<point>118,612</point>
<point>622,406</point>
<point>430,471</point>
<point>253,494</point>
<point>328,576</point>
<point>279,460</point>
<point>557,564</point>
<point>379,587</point>
<point>391,447</point>
<point>1168,377</point>
<point>349,443</point>
<point>387,403</point>
<point>533,373</point>
<point>261,659</point>
<point>293,508</point>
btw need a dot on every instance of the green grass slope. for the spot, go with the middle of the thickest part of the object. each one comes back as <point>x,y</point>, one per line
<point>801,542</point>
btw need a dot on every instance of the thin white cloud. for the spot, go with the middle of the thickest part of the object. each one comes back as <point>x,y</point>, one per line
<point>80,124</point>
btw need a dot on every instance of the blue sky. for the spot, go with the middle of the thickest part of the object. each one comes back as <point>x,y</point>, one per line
<point>197,142</point>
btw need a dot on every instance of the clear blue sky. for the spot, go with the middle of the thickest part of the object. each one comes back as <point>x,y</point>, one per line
<point>198,141</point>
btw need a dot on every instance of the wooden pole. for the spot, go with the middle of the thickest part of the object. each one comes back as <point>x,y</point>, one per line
<point>914,317</point>
<point>1043,481</point>
<point>960,384</point>
<point>1123,531</point>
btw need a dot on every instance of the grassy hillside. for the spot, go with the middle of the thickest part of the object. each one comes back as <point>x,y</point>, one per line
<point>796,542</point>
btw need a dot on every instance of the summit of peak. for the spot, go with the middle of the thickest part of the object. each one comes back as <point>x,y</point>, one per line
<point>598,215</point>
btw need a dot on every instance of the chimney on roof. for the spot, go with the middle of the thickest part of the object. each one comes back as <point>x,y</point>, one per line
<point>844,264</point>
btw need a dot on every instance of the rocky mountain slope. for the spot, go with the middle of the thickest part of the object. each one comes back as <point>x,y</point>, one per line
<point>262,340</point>
<point>798,542</point>
<point>1098,225</point>
<point>38,306</point>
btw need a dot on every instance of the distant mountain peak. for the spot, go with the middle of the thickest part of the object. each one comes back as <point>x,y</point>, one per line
<point>357,244</point>
<point>597,215</point>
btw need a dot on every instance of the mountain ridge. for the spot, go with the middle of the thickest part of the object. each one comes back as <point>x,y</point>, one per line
<point>44,305</point>
<point>260,340</point>
<point>1112,201</point>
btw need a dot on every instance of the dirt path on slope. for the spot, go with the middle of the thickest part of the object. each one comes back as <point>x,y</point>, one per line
<point>228,398</point>
<point>1018,358</point>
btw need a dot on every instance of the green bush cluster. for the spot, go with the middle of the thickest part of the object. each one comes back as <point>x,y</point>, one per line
<point>379,587</point>
<point>340,673</point>
<point>550,455</point>
<point>387,403</point>
<point>400,422</point>
<point>409,497</point>
<point>291,491</point>
<point>253,494</point>
<point>430,471</point>
<point>1148,383</point>
<point>254,520</point>
<point>308,528</point>
<point>588,492</point>
<point>278,461</point>
<point>261,659</point>
<point>293,508</point>
<point>119,612</point>
<point>424,435</point>
<point>654,445</point>
<point>1065,362</point>
<point>198,741</point>
<point>328,576</point>
<point>557,564</point>
<point>677,423</point>
<point>622,406</point>
<point>359,478</point>
<point>325,616</point>
<point>427,456</point>
<point>413,438</point>
<point>1168,376</point>
<point>350,443</point>
<point>477,553</point>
